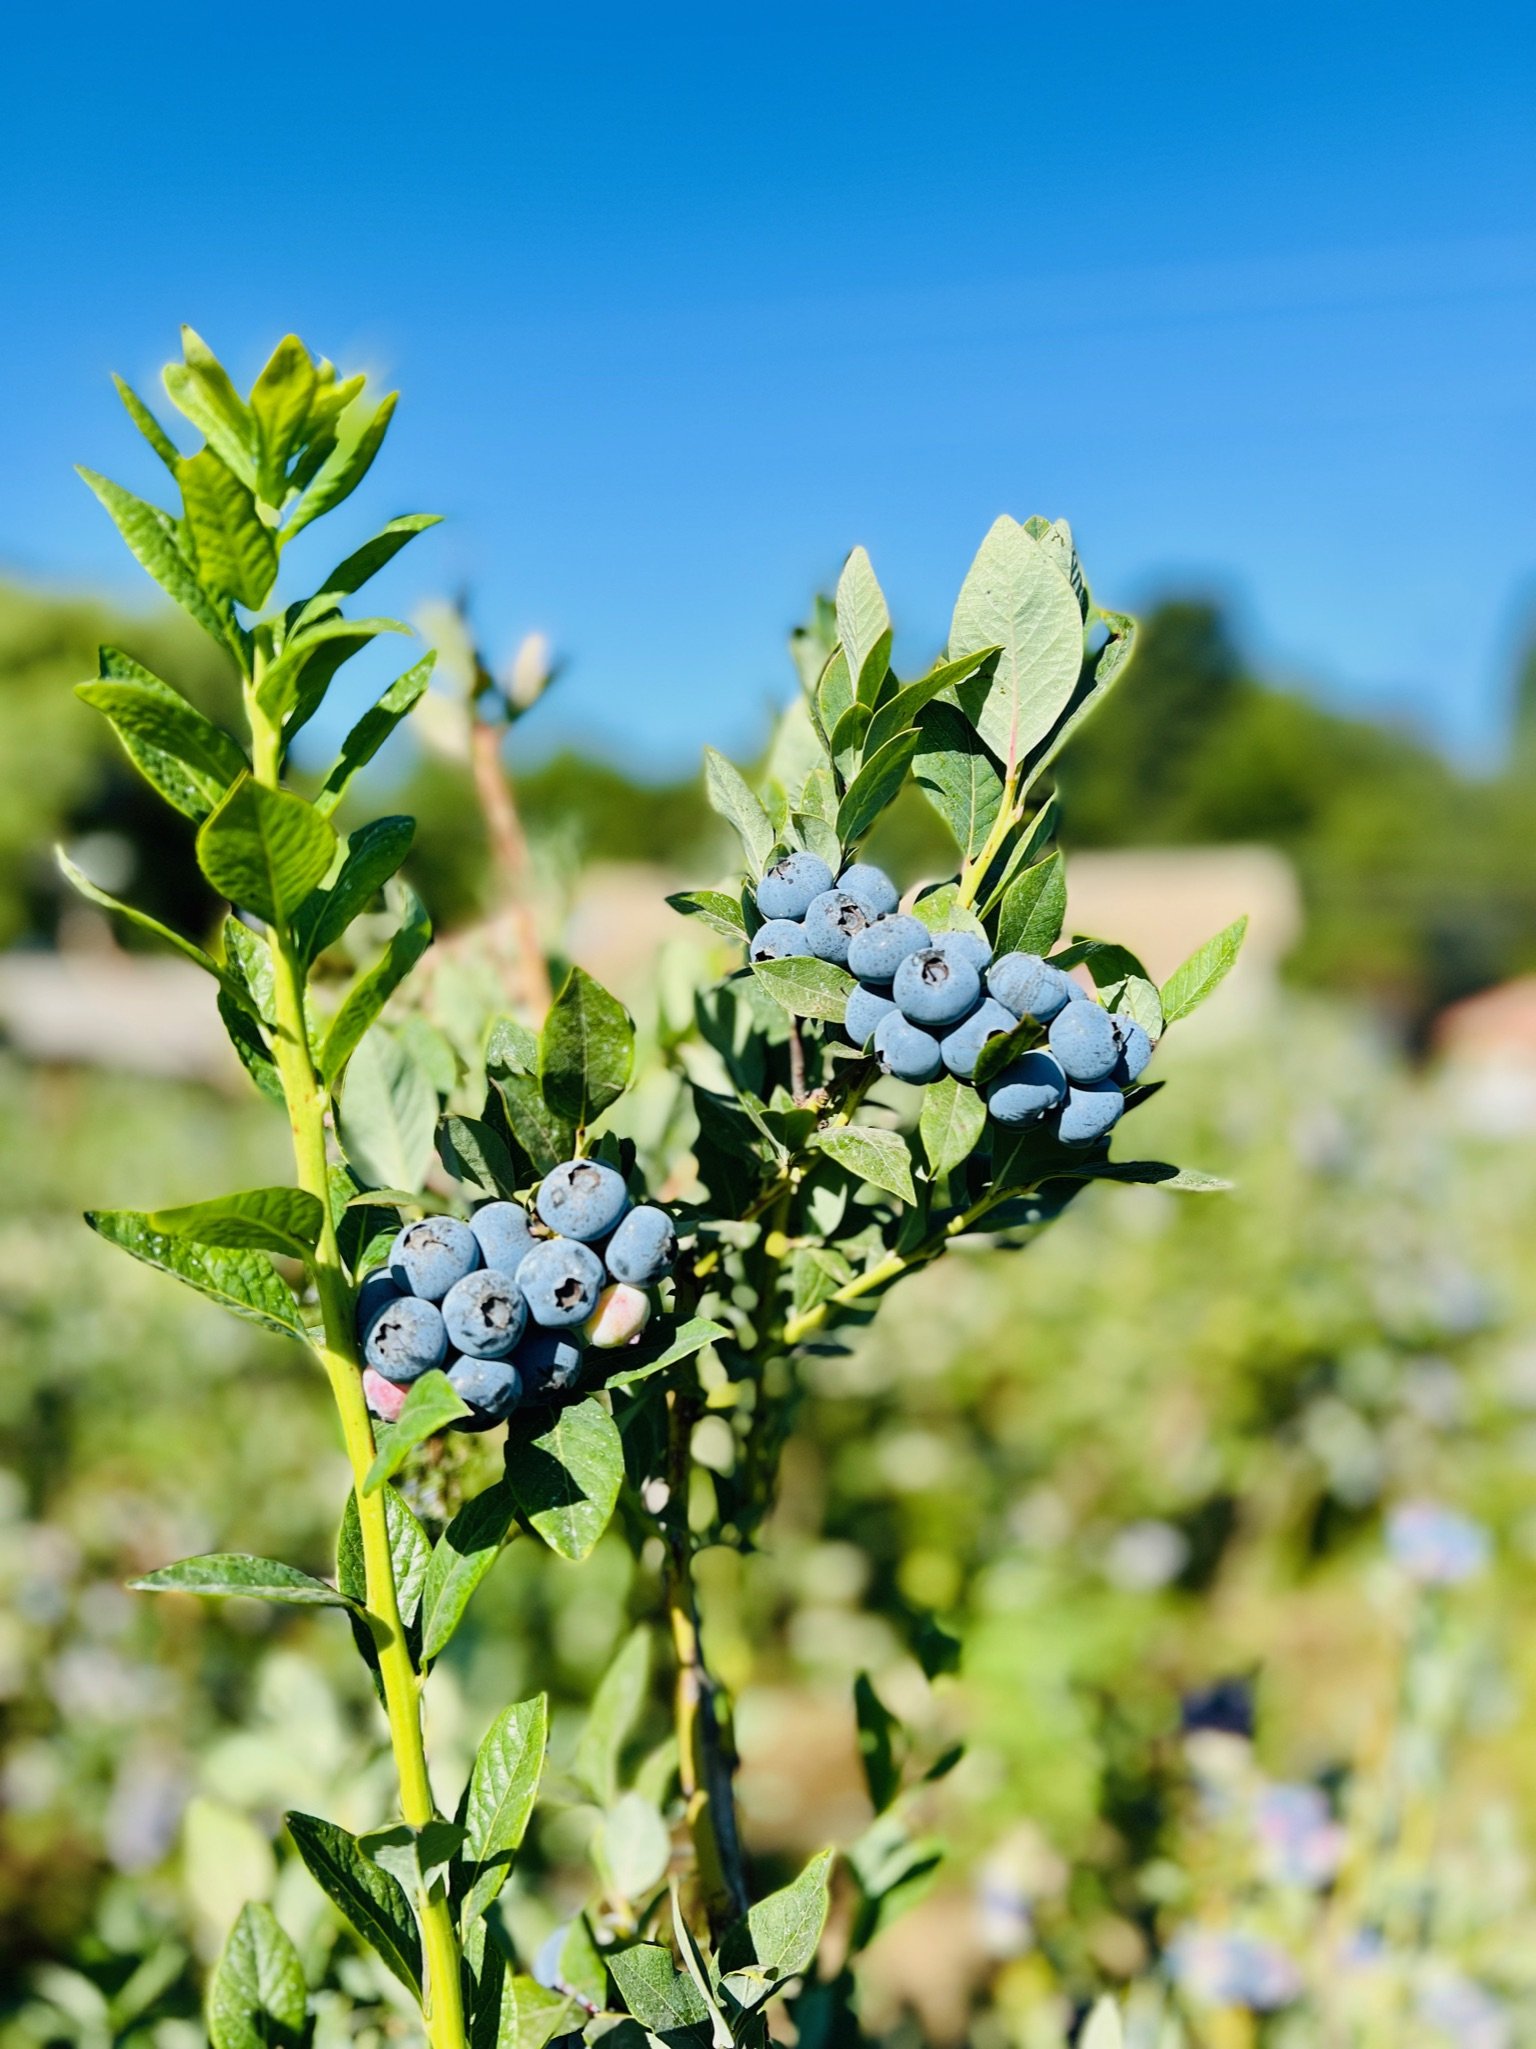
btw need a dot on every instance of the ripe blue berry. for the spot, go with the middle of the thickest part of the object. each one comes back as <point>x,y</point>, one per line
<point>562,1281</point>
<point>385,1400</point>
<point>964,945</point>
<point>428,1257</point>
<point>931,989</point>
<point>582,1199</point>
<point>492,1387</point>
<point>503,1234</point>
<point>621,1314</point>
<point>866,1007</point>
<point>644,1247</point>
<point>549,1361</point>
<point>1028,986</point>
<point>1135,1050</point>
<point>871,889</point>
<point>878,951</point>
<point>961,1047</point>
<point>1083,1039</point>
<point>375,1293</point>
<point>484,1314</point>
<point>787,888</point>
<point>408,1339</point>
<point>1026,1089</point>
<point>907,1052</point>
<point>830,922</point>
<point>779,939</point>
<point>1091,1113</point>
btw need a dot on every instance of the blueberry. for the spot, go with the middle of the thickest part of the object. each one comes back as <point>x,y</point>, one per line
<point>408,1338</point>
<point>790,883</point>
<point>484,1314</point>
<point>503,1233</point>
<point>582,1199</point>
<point>1135,1049</point>
<point>1091,1112</point>
<point>376,1293</point>
<point>549,1361</point>
<point>644,1247</point>
<point>779,939</point>
<point>427,1258</point>
<point>1026,1089</point>
<point>931,989</point>
<point>866,1007</point>
<point>905,1051</point>
<point>871,889</point>
<point>562,1281</point>
<point>830,922</point>
<point>490,1386</point>
<point>971,946</point>
<point>621,1314</point>
<point>1028,986</point>
<point>878,951</point>
<point>961,1047</point>
<point>1076,993</point>
<point>1083,1039</point>
<point>384,1398</point>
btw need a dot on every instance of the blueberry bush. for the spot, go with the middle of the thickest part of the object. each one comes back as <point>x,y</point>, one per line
<point>476,1242</point>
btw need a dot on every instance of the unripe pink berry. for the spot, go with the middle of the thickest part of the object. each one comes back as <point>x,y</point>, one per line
<point>621,1314</point>
<point>383,1397</point>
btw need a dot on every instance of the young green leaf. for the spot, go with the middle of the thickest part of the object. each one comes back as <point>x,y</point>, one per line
<point>372,730</point>
<point>878,1157</point>
<point>611,1718</point>
<point>183,755</point>
<point>265,849</point>
<point>1033,908</point>
<point>712,907</point>
<point>430,1405</point>
<point>409,1550</point>
<point>876,783</point>
<point>81,882</point>
<point>663,1999</point>
<point>502,1788</point>
<point>807,988</point>
<point>460,1560</point>
<point>222,1574</point>
<point>1209,965</point>
<point>942,911</point>
<point>360,434</point>
<point>294,685</point>
<point>152,540</point>
<point>388,1114</point>
<point>1104,672</point>
<point>286,1221</point>
<point>958,776</point>
<point>729,795</point>
<point>834,691</point>
<point>352,573</point>
<point>374,852</point>
<point>257,1997</point>
<point>779,1937</point>
<point>1040,830</point>
<point>1015,598</point>
<point>369,1898</point>
<point>281,399</point>
<point>147,424</point>
<point>688,1338</point>
<point>586,1050</point>
<point>863,625</point>
<point>243,1282</point>
<point>848,739</point>
<point>200,387</point>
<point>567,1478</point>
<point>234,551</point>
<point>1139,1000</point>
<point>363,1002</point>
<point>953,1119</point>
<point>901,710</point>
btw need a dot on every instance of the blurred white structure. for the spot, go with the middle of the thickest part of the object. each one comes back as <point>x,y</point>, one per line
<point>1486,1048</point>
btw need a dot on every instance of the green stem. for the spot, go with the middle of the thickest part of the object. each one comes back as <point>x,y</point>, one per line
<point>975,872</point>
<point>443,2007</point>
<point>891,1268</point>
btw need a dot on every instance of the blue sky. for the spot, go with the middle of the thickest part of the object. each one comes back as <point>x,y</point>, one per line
<point>684,302</point>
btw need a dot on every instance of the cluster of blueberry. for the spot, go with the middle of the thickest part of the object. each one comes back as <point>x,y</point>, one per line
<point>505,1307</point>
<point>929,1001</point>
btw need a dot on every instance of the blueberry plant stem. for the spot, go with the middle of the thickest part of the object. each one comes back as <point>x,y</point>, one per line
<point>305,1096</point>
<point>974,872</point>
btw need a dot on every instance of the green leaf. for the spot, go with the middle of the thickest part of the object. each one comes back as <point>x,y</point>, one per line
<point>834,691</point>
<point>235,553</point>
<point>661,1998</point>
<point>1149,1174</point>
<point>1139,1000</point>
<point>200,387</point>
<point>265,849</point>
<point>779,1937</point>
<point>688,1338</point>
<point>1103,2028</point>
<point>1108,963</point>
<point>1015,598</point>
<point>151,537</point>
<point>183,755</point>
<point>476,1155</point>
<point>243,1282</point>
<point>147,424</point>
<point>460,1560</point>
<point>359,436</point>
<point>878,1157</point>
<point>1004,1048</point>
<point>502,1788</point>
<point>1107,667</point>
<point>544,1136</point>
<point>942,911</point>
<point>388,1114</point>
<point>1040,830</point>
<point>366,998</point>
<point>848,738</point>
<point>901,710</point>
<point>409,1550</point>
<point>612,1716</point>
<point>368,1897</point>
<point>807,988</point>
<point>953,1119</point>
<point>729,795</point>
<point>1033,908</point>
<point>372,730</point>
<point>257,1997</point>
<point>818,1272</point>
<point>519,2012</point>
<point>374,852</point>
<point>586,1050</point>
<point>81,882</point>
<point>958,776</point>
<point>567,1478</point>
<point>429,1407</point>
<point>863,625</point>
<point>287,1221</point>
<point>878,1730</point>
<point>293,687</point>
<point>281,399</point>
<point>351,574</point>
<point>712,907</point>
<point>1207,967</point>
<point>220,1574</point>
<point>876,783</point>
<point>631,1847</point>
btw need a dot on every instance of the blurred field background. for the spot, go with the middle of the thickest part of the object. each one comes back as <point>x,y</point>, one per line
<point>1207,1526</point>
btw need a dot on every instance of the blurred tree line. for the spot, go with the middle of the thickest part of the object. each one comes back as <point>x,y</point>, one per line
<point>1419,878</point>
